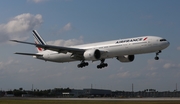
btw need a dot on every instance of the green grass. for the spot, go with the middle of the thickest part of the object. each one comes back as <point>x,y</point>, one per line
<point>83,102</point>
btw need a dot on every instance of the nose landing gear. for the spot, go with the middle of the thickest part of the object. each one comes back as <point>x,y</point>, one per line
<point>157,53</point>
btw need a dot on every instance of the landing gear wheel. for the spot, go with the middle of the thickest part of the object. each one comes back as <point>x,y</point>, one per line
<point>82,64</point>
<point>99,66</point>
<point>156,58</point>
<point>105,64</point>
<point>102,64</point>
<point>79,65</point>
<point>86,63</point>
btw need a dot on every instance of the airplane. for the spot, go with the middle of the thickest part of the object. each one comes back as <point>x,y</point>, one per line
<point>123,50</point>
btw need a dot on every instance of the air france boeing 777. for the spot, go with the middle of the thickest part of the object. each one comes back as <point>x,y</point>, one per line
<point>123,50</point>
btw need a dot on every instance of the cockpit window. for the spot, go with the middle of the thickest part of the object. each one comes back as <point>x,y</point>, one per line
<point>162,39</point>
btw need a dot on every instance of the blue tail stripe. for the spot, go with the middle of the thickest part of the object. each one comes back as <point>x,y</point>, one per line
<point>38,38</point>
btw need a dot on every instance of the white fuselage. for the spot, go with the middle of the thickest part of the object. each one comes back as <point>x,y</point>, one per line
<point>115,48</point>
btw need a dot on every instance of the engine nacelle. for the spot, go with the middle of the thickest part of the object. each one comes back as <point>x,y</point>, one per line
<point>92,54</point>
<point>126,58</point>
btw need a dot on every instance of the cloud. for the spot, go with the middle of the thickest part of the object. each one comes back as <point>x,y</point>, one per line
<point>171,66</point>
<point>156,65</point>
<point>67,27</point>
<point>125,74</point>
<point>37,1</point>
<point>69,42</point>
<point>146,17</point>
<point>40,1</point>
<point>152,74</point>
<point>178,48</point>
<point>161,64</point>
<point>18,26</point>
<point>21,23</point>
<point>3,65</point>
<point>7,67</point>
<point>52,76</point>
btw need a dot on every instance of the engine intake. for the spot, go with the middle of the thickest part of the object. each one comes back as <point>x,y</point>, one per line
<point>126,58</point>
<point>92,54</point>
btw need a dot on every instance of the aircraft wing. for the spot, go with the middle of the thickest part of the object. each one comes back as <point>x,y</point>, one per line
<point>55,48</point>
<point>29,54</point>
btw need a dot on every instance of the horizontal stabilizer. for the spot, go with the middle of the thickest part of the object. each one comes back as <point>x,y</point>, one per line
<point>29,54</point>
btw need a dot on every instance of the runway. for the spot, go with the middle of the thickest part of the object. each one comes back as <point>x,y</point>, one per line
<point>97,99</point>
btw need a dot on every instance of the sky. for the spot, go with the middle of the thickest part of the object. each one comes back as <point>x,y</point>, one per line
<point>74,22</point>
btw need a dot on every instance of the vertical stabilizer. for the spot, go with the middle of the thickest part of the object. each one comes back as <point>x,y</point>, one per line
<point>38,40</point>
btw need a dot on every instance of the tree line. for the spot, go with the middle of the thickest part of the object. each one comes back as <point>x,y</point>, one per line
<point>36,92</point>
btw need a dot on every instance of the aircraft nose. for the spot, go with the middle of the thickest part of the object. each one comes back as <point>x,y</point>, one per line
<point>167,44</point>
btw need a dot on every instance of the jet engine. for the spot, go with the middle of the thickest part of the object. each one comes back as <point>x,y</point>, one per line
<point>126,58</point>
<point>92,54</point>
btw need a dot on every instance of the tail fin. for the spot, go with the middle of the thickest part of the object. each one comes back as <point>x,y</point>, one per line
<point>38,40</point>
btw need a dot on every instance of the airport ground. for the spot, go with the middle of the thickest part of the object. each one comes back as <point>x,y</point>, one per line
<point>20,100</point>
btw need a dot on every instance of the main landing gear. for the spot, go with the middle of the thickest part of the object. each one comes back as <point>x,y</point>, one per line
<point>157,53</point>
<point>82,64</point>
<point>102,64</point>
